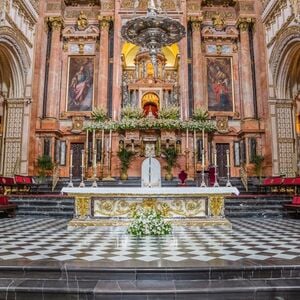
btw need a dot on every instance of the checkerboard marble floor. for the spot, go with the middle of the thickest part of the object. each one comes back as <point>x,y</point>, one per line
<point>251,240</point>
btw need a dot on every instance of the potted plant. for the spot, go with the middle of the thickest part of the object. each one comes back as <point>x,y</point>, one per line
<point>45,166</point>
<point>125,157</point>
<point>258,162</point>
<point>170,155</point>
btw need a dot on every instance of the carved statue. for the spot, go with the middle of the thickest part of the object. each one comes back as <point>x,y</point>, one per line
<point>82,21</point>
<point>218,22</point>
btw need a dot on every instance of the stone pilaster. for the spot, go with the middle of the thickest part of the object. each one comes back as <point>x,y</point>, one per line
<point>104,23</point>
<point>246,73</point>
<point>53,92</point>
<point>197,62</point>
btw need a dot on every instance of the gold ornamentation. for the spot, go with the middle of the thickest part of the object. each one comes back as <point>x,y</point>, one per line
<point>56,23</point>
<point>222,124</point>
<point>82,206</point>
<point>104,22</point>
<point>218,22</point>
<point>77,124</point>
<point>244,23</point>
<point>216,206</point>
<point>82,21</point>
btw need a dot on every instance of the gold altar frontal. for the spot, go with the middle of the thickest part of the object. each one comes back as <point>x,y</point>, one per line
<point>180,206</point>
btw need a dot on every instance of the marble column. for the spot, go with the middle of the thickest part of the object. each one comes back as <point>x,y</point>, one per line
<point>246,69</point>
<point>53,92</point>
<point>104,22</point>
<point>197,62</point>
<point>117,65</point>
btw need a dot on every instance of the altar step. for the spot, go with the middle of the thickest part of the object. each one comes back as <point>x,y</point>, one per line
<point>63,282</point>
<point>44,205</point>
<point>248,206</point>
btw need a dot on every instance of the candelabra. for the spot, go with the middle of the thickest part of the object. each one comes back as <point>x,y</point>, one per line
<point>203,184</point>
<point>95,170</point>
<point>70,184</point>
<point>82,170</point>
<point>216,184</point>
<point>228,183</point>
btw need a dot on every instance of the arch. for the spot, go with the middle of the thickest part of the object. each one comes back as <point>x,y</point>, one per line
<point>285,63</point>
<point>16,60</point>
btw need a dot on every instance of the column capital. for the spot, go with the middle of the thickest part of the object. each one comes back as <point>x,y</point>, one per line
<point>196,22</point>
<point>56,22</point>
<point>104,22</point>
<point>243,23</point>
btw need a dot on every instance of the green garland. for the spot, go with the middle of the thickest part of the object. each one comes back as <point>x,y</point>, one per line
<point>147,123</point>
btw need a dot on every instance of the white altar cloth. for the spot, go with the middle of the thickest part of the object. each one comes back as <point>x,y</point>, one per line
<point>151,191</point>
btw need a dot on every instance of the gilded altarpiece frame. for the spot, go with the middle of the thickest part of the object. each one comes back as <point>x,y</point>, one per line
<point>220,90</point>
<point>80,83</point>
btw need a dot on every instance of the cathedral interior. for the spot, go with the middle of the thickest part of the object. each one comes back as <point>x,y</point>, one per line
<point>137,94</point>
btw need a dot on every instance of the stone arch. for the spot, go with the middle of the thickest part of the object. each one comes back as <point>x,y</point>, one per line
<point>285,63</point>
<point>14,59</point>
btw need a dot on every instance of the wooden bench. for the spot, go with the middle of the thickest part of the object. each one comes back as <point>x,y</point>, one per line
<point>280,184</point>
<point>7,208</point>
<point>8,185</point>
<point>294,207</point>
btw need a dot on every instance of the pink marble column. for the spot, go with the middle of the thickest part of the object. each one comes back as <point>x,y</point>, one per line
<point>246,72</point>
<point>183,68</point>
<point>104,22</point>
<point>117,69</point>
<point>53,92</point>
<point>197,63</point>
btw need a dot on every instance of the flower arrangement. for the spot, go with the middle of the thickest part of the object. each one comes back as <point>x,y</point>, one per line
<point>171,113</point>
<point>99,114</point>
<point>148,222</point>
<point>168,119</point>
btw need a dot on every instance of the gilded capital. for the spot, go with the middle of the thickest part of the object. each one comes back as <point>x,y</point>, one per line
<point>244,23</point>
<point>104,22</point>
<point>196,22</point>
<point>56,23</point>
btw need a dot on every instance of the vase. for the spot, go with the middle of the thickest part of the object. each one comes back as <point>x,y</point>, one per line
<point>169,176</point>
<point>124,176</point>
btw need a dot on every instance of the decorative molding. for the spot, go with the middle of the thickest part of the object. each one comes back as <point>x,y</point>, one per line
<point>56,22</point>
<point>243,23</point>
<point>104,22</point>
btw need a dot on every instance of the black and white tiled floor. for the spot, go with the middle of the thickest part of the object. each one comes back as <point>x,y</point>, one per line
<point>259,240</point>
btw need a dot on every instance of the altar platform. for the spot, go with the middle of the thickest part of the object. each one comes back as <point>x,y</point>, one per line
<point>186,206</point>
<point>258,259</point>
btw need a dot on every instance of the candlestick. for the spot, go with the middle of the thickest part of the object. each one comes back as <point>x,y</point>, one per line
<point>228,184</point>
<point>132,145</point>
<point>216,184</point>
<point>94,140</point>
<point>95,168</point>
<point>203,184</point>
<point>70,184</point>
<point>203,140</point>
<point>110,133</point>
<point>187,138</point>
<point>82,169</point>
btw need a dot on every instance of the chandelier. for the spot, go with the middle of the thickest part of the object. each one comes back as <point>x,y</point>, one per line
<point>153,32</point>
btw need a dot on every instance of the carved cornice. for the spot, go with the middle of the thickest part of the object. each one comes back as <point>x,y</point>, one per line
<point>243,23</point>
<point>71,34</point>
<point>210,34</point>
<point>56,23</point>
<point>82,2</point>
<point>104,22</point>
<point>224,3</point>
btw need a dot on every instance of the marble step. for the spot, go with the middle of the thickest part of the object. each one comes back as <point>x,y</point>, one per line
<point>66,282</point>
<point>151,289</point>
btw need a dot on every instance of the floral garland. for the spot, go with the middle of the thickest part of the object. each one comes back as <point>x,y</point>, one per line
<point>148,222</point>
<point>132,119</point>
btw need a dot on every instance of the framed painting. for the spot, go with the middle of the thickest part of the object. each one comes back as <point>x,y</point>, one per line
<point>219,79</point>
<point>80,82</point>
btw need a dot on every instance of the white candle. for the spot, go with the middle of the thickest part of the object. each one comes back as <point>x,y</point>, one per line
<point>203,158</point>
<point>95,159</point>
<point>203,138</point>
<point>109,139</point>
<point>71,158</point>
<point>94,140</point>
<point>227,155</point>
<point>187,138</point>
<point>195,141</point>
<point>102,142</point>
<point>82,158</point>
<point>215,152</point>
<point>132,146</point>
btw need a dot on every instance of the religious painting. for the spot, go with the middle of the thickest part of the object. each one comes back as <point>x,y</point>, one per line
<point>80,83</point>
<point>219,78</point>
